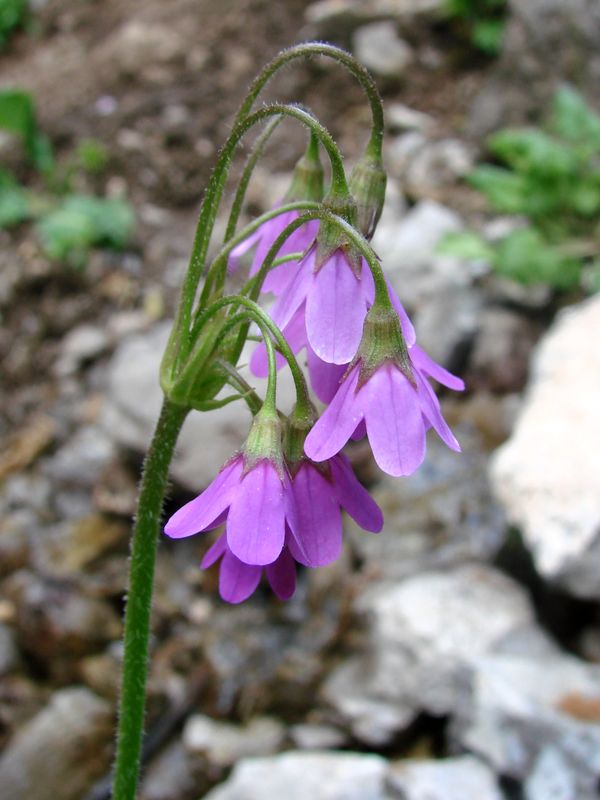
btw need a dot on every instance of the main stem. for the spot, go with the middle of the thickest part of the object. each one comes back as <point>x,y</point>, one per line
<point>139,600</point>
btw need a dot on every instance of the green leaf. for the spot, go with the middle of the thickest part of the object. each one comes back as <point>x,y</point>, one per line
<point>467,245</point>
<point>487,35</point>
<point>524,256</point>
<point>573,119</point>
<point>506,191</point>
<point>17,116</point>
<point>83,222</point>
<point>532,151</point>
<point>14,206</point>
<point>12,13</point>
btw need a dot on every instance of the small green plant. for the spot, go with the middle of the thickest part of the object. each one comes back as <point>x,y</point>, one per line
<point>551,179</point>
<point>12,15</point>
<point>482,20</point>
<point>68,224</point>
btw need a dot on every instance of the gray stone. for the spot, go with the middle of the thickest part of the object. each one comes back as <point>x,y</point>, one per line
<point>546,43</point>
<point>423,636</point>
<point>133,405</point>
<point>223,744</point>
<point>441,516</point>
<point>81,460</point>
<point>463,778</point>
<point>381,50</point>
<point>536,719</point>
<point>317,736</point>
<point>296,776</point>
<point>61,751</point>
<point>9,655</point>
<point>437,289</point>
<point>399,117</point>
<point>82,344</point>
<point>327,15</point>
<point>547,475</point>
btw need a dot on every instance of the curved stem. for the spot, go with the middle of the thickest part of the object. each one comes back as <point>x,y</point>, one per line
<point>218,268</point>
<point>179,344</point>
<point>260,316</point>
<point>341,56</point>
<point>251,162</point>
<point>139,599</point>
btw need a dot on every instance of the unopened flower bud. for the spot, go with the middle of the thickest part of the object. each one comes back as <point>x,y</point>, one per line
<point>367,184</point>
<point>308,177</point>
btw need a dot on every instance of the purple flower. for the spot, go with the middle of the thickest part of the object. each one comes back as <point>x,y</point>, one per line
<point>264,237</point>
<point>256,503</point>
<point>237,580</point>
<point>321,491</point>
<point>396,413</point>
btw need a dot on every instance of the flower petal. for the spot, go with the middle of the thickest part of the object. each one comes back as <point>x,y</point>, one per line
<point>256,520</point>
<point>430,407</point>
<point>281,574</point>
<point>408,330</point>
<point>353,497</point>
<point>359,432</point>
<point>394,421</point>
<point>318,530</point>
<point>335,311</point>
<point>337,423</point>
<point>214,552</point>
<point>295,292</point>
<point>201,512</point>
<point>426,364</point>
<point>237,581</point>
<point>295,335</point>
<point>325,378</point>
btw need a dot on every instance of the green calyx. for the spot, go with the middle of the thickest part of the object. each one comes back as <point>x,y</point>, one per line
<point>367,184</point>
<point>382,341</point>
<point>264,441</point>
<point>297,428</point>
<point>308,176</point>
<point>330,238</point>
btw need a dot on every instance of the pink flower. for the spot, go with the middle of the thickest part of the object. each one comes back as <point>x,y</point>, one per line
<point>256,504</point>
<point>264,237</point>
<point>237,580</point>
<point>396,413</point>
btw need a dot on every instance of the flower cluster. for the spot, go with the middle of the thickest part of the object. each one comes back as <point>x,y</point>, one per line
<point>281,503</point>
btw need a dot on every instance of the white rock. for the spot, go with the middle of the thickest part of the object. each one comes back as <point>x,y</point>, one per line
<point>83,343</point>
<point>134,398</point>
<point>548,473</point>
<point>223,743</point>
<point>424,635</point>
<point>399,117</point>
<point>381,50</point>
<point>535,718</point>
<point>33,766</point>
<point>298,776</point>
<point>448,779</point>
<point>331,11</point>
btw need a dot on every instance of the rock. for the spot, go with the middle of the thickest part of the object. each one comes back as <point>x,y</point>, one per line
<point>546,43</point>
<point>335,15</point>
<point>449,779</point>
<point>68,547</point>
<point>547,475</point>
<point>138,45</point>
<point>424,167</point>
<point>437,289</point>
<point>9,655</point>
<point>423,636</point>
<point>381,50</point>
<point>33,766</point>
<point>499,361</point>
<point>81,345</point>
<point>400,118</point>
<point>133,405</point>
<point>296,776</point>
<point>223,744</point>
<point>82,459</point>
<point>441,516</point>
<point>56,623</point>
<point>536,719</point>
<point>174,773</point>
<point>317,736</point>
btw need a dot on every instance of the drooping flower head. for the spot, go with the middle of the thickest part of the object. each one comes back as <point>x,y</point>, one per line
<point>386,390</point>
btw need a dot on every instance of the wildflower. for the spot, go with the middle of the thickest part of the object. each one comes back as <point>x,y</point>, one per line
<point>237,580</point>
<point>387,390</point>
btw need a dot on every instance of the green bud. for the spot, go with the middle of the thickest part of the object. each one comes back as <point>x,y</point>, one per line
<point>367,184</point>
<point>297,429</point>
<point>382,340</point>
<point>330,238</point>
<point>264,440</point>
<point>308,176</point>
